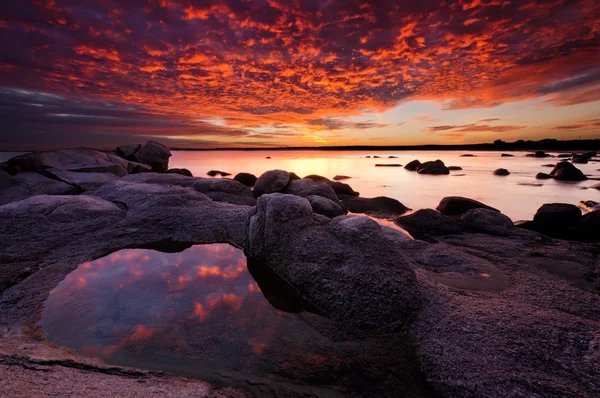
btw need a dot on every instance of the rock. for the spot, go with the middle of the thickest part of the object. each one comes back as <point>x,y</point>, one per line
<point>501,172</point>
<point>271,181</point>
<point>294,176</point>
<point>316,177</point>
<point>436,167</point>
<point>127,151</point>
<point>388,165</point>
<point>155,155</point>
<point>543,176</point>
<point>597,186</point>
<point>306,187</point>
<point>246,178</point>
<point>183,172</point>
<point>376,157</point>
<point>507,155</point>
<point>342,189</point>
<point>538,154</point>
<point>27,184</point>
<point>63,209</point>
<point>548,165</point>
<point>588,205</point>
<point>381,206</point>
<point>225,190</point>
<point>454,168</point>
<point>565,171</point>
<point>384,294</point>
<point>76,160</point>
<point>340,177</point>
<point>214,173</point>
<point>84,181</point>
<point>564,155</point>
<point>488,221</point>
<point>217,189</point>
<point>324,206</point>
<point>412,165</point>
<point>531,184</point>
<point>587,229</point>
<point>267,157</point>
<point>367,157</point>
<point>428,222</point>
<point>457,205</point>
<point>556,217</point>
<point>392,157</point>
<point>580,160</point>
<point>467,155</point>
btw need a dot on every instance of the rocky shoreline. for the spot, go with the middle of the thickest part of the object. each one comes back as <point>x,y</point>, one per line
<point>490,308</point>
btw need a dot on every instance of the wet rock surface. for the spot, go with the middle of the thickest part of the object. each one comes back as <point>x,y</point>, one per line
<point>484,308</point>
<point>433,167</point>
<point>565,171</point>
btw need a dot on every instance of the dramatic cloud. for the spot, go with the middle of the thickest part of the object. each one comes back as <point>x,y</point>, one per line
<point>165,64</point>
<point>471,128</point>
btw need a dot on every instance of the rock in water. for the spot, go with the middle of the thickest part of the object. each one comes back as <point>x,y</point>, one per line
<point>340,177</point>
<point>507,155</point>
<point>271,181</point>
<point>457,205</point>
<point>588,205</point>
<point>388,165</point>
<point>381,206</point>
<point>246,178</point>
<point>454,168</point>
<point>412,165</point>
<point>543,176</point>
<point>326,207</point>
<point>155,155</point>
<point>214,173</point>
<point>565,171</point>
<point>553,217</point>
<point>580,160</point>
<point>316,177</point>
<point>436,167</point>
<point>183,172</point>
<point>501,172</point>
<point>467,155</point>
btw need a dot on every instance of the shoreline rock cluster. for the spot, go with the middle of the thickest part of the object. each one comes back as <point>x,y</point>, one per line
<point>490,308</point>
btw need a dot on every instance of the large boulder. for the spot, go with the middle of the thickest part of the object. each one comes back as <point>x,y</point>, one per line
<point>435,167</point>
<point>306,187</point>
<point>155,155</point>
<point>412,165</point>
<point>246,178</point>
<point>270,182</point>
<point>555,217</point>
<point>565,171</point>
<point>326,207</point>
<point>381,206</point>
<point>457,205</point>
<point>362,280</point>
<point>487,220</point>
<point>76,160</point>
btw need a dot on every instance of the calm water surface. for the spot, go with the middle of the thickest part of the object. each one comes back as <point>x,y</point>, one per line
<point>210,313</point>
<point>416,191</point>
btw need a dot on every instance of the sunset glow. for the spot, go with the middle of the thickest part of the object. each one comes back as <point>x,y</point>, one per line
<point>268,73</point>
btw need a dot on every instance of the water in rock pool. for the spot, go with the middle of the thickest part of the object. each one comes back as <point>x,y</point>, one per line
<point>208,312</point>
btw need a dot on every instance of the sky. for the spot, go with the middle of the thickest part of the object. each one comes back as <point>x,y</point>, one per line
<point>270,73</point>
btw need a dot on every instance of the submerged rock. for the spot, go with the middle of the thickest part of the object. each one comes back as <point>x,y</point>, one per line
<point>340,177</point>
<point>155,155</point>
<point>270,182</point>
<point>506,155</point>
<point>454,168</point>
<point>501,172</point>
<point>538,154</point>
<point>467,155</point>
<point>434,167</point>
<point>214,173</point>
<point>246,178</point>
<point>457,205</point>
<point>388,165</point>
<point>381,206</point>
<point>412,165</point>
<point>543,176</point>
